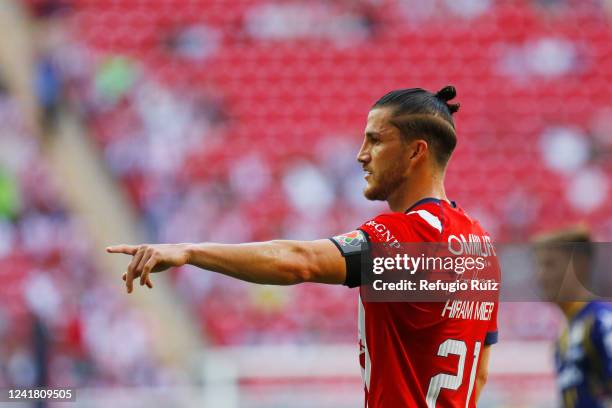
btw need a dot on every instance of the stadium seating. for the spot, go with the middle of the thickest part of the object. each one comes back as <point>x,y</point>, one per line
<point>55,307</point>
<point>179,95</point>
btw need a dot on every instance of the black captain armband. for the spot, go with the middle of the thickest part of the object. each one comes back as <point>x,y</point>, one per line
<point>355,248</point>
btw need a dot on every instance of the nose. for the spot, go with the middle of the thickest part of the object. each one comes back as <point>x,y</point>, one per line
<point>363,156</point>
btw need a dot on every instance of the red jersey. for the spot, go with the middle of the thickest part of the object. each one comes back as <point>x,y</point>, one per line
<point>421,354</point>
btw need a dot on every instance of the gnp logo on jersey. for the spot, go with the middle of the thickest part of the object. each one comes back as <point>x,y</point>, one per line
<point>383,234</point>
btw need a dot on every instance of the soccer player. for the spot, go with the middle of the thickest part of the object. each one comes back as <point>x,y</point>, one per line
<point>583,352</point>
<point>412,354</point>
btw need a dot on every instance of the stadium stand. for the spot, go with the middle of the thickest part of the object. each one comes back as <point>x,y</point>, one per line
<point>239,120</point>
<point>56,310</point>
<point>246,118</point>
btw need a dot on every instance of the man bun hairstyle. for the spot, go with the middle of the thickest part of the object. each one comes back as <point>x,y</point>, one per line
<point>420,114</point>
<point>446,94</point>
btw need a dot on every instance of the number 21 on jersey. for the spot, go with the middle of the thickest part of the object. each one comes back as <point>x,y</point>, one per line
<point>453,382</point>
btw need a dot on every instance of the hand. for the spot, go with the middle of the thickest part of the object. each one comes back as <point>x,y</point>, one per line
<point>149,258</point>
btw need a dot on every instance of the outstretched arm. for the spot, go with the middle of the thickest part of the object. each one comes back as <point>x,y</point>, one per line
<point>273,262</point>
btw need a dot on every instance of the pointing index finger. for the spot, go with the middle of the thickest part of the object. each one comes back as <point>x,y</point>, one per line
<point>122,249</point>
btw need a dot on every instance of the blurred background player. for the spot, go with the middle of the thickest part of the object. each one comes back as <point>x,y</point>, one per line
<point>583,354</point>
<point>408,351</point>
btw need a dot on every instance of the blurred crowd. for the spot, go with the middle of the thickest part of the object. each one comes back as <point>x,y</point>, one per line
<point>60,323</point>
<point>240,120</point>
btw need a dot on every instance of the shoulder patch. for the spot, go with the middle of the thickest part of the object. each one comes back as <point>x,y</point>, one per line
<point>350,242</point>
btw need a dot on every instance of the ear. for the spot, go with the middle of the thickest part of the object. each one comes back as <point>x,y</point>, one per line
<point>418,149</point>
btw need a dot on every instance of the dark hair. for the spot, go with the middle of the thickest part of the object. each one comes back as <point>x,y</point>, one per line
<point>420,113</point>
<point>575,238</point>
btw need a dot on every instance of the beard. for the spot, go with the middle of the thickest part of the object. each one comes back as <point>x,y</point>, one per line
<point>384,183</point>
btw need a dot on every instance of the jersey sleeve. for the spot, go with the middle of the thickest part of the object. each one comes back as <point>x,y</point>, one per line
<point>355,246</point>
<point>492,333</point>
<point>392,228</point>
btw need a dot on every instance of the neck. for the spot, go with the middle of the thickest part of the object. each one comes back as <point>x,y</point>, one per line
<point>415,189</point>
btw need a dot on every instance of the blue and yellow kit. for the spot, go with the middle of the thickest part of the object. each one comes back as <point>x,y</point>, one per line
<point>583,357</point>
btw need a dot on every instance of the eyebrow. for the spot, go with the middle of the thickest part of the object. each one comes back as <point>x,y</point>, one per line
<point>372,134</point>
